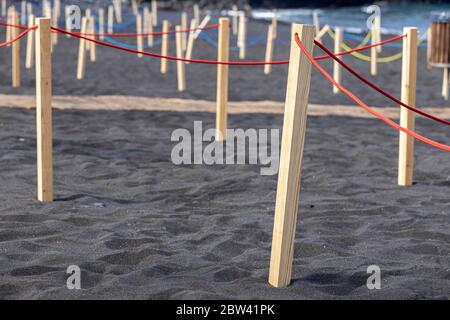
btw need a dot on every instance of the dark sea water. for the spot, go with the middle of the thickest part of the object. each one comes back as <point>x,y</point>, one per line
<point>354,19</point>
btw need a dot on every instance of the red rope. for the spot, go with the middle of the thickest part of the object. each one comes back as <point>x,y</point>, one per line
<point>363,48</point>
<point>156,55</point>
<point>366,107</point>
<point>214,26</point>
<point>13,25</point>
<point>386,94</point>
<point>21,35</point>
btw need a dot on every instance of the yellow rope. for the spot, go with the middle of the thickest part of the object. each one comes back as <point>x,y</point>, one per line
<point>363,56</point>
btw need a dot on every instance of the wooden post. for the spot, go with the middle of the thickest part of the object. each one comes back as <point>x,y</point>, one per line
<point>101,22</point>
<point>223,54</point>
<point>407,117</point>
<point>373,52</point>
<point>242,37</point>
<point>148,26</point>
<point>88,27</point>
<point>82,51</point>
<point>9,18</point>
<point>117,5</point>
<point>184,21</point>
<point>180,64</point>
<point>165,45</point>
<point>15,53</point>
<point>269,49</point>
<point>44,111</point>
<point>316,21</point>
<point>155,13</point>
<point>322,32</point>
<point>235,24</point>
<point>274,24</point>
<point>110,19</point>
<point>30,43</point>
<point>55,17</point>
<point>139,37</point>
<point>93,45</point>
<point>429,47</point>
<point>378,31</point>
<point>289,176</point>
<point>445,80</point>
<point>190,44</point>
<point>337,75</point>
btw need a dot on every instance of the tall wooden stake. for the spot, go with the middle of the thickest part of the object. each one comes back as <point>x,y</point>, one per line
<point>154,13</point>
<point>101,22</point>
<point>180,64</point>
<point>165,46</point>
<point>316,21</point>
<point>139,37</point>
<point>93,45</point>
<point>269,49</point>
<point>196,12</point>
<point>274,24</point>
<point>235,23</point>
<point>30,43</point>
<point>289,176</point>
<point>44,111</point>
<point>373,52</point>
<point>242,37</point>
<point>110,19</point>
<point>191,39</point>
<point>15,53</point>
<point>407,117</point>
<point>184,22</point>
<point>82,51</point>
<point>222,79</point>
<point>337,75</point>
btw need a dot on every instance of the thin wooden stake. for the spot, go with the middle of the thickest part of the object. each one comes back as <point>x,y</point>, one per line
<point>15,53</point>
<point>242,37</point>
<point>184,22</point>
<point>337,75</point>
<point>155,13</point>
<point>191,40</point>
<point>139,37</point>
<point>269,50</point>
<point>378,32</point>
<point>44,111</point>
<point>55,16</point>
<point>30,44</point>
<point>322,32</point>
<point>148,26</point>
<point>223,53</point>
<point>289,176</point>
<point>316,20</point>
<point>429,50</point>
<point>101,22</point>
<point>93,45</point>
<point>196,12</point>
<point>82,51</point>
<point>165,46</point>
<point>110,19</point>
<point>373,52</point>
<point>235,24</point>
<point>274,24</point>
<point>445,80</point>
<point>180,64</point>
<point>407,117</point>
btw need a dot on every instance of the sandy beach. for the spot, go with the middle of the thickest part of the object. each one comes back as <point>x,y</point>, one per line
<point>140,227</point>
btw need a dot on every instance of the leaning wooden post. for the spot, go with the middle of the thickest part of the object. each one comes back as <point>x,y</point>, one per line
<point>289,176</point>
<point>191,39</point>
<point>337,75</point>
<point>373,52</point>
<point>165,46</point>
<point>44,111</point>
<point>223,53</point>
<point>30,43</point>
<point>139,37</point>
<point>82,51</point>
<point>15,53</point>
<point>180,64</point>
<point>196,12</point>
<point>269,50</point>
<point>407,117</point>
<point>274,24</point>
<point>101,22</point>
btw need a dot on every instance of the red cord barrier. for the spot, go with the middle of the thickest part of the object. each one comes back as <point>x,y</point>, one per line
<point>375,87</point>
<point>13,25</point>
<point>366,107</point>
<point>156,55</point>
<point>21,35</point>
<point>214,26</point>
<point>363,48</point>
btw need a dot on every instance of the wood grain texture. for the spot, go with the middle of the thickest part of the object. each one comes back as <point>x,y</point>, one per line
<point>222,79</point>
